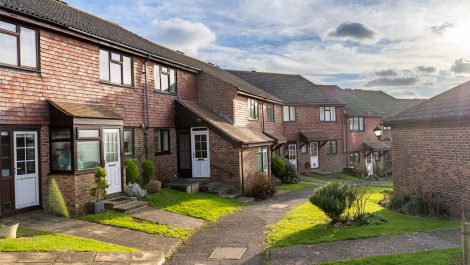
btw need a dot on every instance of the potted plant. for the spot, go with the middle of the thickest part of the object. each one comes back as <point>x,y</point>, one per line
<point>99,192</point>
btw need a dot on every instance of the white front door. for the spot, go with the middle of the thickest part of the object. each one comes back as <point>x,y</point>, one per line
<point>314,155</point>
<point>201,153</point>
<point>292,149</point>
<point>370,164</point>
<point>112,159</point>
<point>26,169</point>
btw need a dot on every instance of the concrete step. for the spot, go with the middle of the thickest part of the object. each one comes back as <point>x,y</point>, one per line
<point>115,201</point>
<point>130,206</point>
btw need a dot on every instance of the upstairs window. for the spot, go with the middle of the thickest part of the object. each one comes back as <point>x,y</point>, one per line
<point>356,124</point>
<point>164,79</point>
<point>288,113</point>
<point>254,108</point>
<point>115,68</point>
<point>327,114</point>
<point>270,112</point>
<point>19,45</point>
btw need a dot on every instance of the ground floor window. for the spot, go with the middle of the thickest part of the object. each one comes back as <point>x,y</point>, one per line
<point>303,148</point>
<point>331,147</point>
<point>61,149</point>
<point>128,142</point>
<point>292,153</point>
<point>88,154</point>
<point>262,159</point>
<point>354,158</point>
<point>162,141</point>
<point>377,156</point>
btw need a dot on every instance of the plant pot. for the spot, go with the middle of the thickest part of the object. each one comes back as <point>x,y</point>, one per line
<point>8,231</point>
<point>95,207</point>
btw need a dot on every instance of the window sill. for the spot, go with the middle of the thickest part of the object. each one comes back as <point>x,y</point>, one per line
<point>252,119</point>
<point>163,153</point>
<point>289,121</point>
<point>165,93</point>
<point>118,85</point>
<point>20,69</point>
<point>356,131</point>
<point>328,121</point>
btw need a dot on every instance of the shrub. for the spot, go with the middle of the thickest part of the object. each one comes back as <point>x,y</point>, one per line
<point>163,176</point>
<point>291,175</point>
<point>278,166</point>
<point>99,192</point>
<point>419,203</point>
<point>359,195</point>
<point>261,186</point>
<point>359,170</point>
<point>132,171</point>
<point>147,171</point>
<point>333,199</point>
<point>369,219</point>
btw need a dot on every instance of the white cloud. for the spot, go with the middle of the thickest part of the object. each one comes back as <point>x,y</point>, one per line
<point>182,35</point>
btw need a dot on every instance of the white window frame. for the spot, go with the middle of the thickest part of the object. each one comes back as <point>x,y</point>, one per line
<point>289,113</point>
<point>263,154</point>
<point>170,85</point>
<point>328,114</point>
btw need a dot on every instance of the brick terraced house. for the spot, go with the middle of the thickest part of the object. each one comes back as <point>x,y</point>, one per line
<point>431,148</point>
<point>79,92</point>
<point>312,123</point>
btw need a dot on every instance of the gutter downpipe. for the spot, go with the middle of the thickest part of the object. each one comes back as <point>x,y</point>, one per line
<point>147,119</point>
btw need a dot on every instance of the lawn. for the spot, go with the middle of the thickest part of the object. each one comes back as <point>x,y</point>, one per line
<point>201,205</point>
<point>126,221</point>
<point>296,186</point>
<point>339,176</point>
<point>34,240</point>
<point>307,224</point>
<point>436,257</point>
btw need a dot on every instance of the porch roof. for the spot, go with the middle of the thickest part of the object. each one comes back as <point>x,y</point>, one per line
<point>240,135</point>
<point>378,145</point>
<point>280,139</point>
<point>79,110</point>
<point>311,136</point>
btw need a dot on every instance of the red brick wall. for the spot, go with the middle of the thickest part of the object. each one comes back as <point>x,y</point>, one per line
<point>165,164</point>
<point>225,161</point>
<point>216,95</point>
<point>329,163</point>
<point>434,159</point>
<point>356,139</point>
<point>250,164</point>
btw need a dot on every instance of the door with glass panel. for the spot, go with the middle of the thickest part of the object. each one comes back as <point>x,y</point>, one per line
<point>112,159</point>
<point>314,155</point>
<point>201,155</point>
<point>26,169</point>
<point>292,154</point>
<point>6,174</point>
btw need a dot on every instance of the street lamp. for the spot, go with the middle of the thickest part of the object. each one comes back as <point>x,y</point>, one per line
<point>378,131</point>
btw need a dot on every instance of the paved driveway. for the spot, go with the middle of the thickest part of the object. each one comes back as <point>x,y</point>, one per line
<point>243,229</point>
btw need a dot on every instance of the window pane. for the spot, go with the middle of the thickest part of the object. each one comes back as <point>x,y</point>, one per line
<point>156,76</point>
<point>172,80</point>
<point>60,134</point>
<point>61,156</point>
<point>361,124</point>
<point>157,142</point>
<point>265,159</point>
<point>165,141</point>
<point>259,159</point>
<point>115,57</point>
<point>333,113</point>
<point>116,73</point>
<point>292,113</point>
<point>128,142</point>
<point>164,79</point>
<point>127,70</point>
<point>285,113</point>
<point>88,154</point>
<point>28,47</point>
<point>333,147</point>
<point>322,113</point>
<point>8,49</point>
<point>5,151</point>
<point>7,26</point>
<point>104,65</point>
<point>88,133</point>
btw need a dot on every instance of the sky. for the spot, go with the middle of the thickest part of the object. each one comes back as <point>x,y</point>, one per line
<point>407,48</point>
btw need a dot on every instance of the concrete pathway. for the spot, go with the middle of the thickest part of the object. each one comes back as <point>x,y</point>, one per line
<point>239,235</point>
<point>105,258</point>
<point>164,217</point>
<point>104,233</point>
<point>360,248</point>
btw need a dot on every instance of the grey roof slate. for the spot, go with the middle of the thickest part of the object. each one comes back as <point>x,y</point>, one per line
<point>293,89</point>
<point>452,105</point>
<point>66,16</point>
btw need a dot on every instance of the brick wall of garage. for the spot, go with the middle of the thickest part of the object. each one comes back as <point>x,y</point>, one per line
<point>433,158</point>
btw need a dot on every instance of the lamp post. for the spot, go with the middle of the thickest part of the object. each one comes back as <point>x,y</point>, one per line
<point>378,131</point>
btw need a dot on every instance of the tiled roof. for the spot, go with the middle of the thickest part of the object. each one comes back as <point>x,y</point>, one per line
<point>314,136</point>
<point>451,105</point>
<point>65,16</point>
<point>384,102</point>
<point>293,89</point>
<point>79,110</point>
<point>280,139</point>
<point>239,134</point>
<point>378,145</point>
<point>355,106</point>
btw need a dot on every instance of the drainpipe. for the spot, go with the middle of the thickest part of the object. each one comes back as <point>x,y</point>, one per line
<point>147,121</point>
<point>243,175</point>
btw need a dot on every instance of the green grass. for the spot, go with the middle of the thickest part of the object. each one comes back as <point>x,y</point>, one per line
<point>126,221</point>
<point>435,257</point>
<point>307,224</point>
<point>34,240</point>
<point>383,185</point>
<point>201,205</point>
<point>296,186</point>
<point>339,176</point>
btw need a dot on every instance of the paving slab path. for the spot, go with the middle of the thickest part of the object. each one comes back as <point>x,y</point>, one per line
<point>361,248</point>
<point>238,234</point>
<point>165,217</point>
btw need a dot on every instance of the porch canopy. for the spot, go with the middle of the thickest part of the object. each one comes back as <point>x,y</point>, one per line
<point>66,113</point>
<point>195,114</point>
<point>279,138</point>
<point>378,145</point>
<point>313,136</point>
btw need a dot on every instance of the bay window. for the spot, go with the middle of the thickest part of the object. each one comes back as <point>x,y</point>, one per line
<point>327,114</point>
<point>61,149</point>
<point>19,45</point>
<point>115,68</point>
